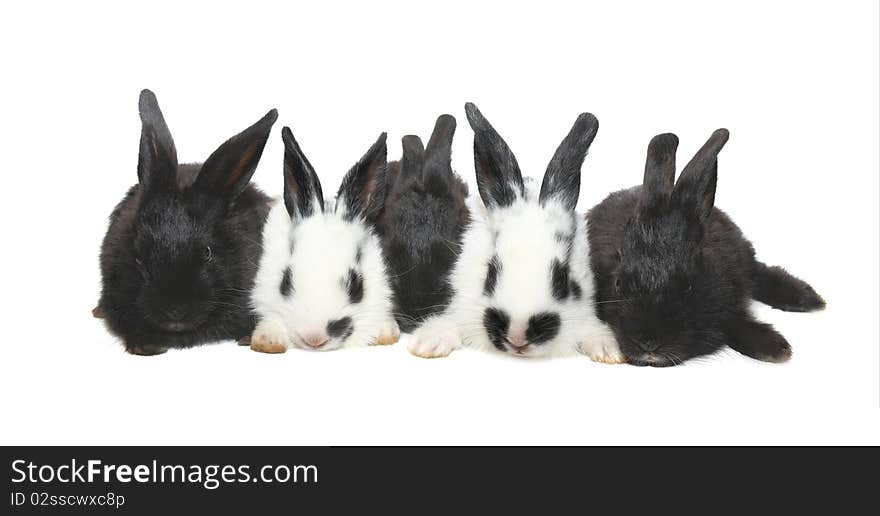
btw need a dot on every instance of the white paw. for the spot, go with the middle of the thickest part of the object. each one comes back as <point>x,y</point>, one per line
<point>602,348</point>
<point>269,337</point>
<point>389,333</point>
<point>434,342</point>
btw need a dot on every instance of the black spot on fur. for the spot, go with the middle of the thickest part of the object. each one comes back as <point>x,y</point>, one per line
<point>359,255</point>
<point>559,283</point>
<point>340,328</point>
<point>542,327</point>
<point>576,291</point>
<point>492,276</point>
<point>355,287</point>
<point>496,323</point>
<point>286,287</point>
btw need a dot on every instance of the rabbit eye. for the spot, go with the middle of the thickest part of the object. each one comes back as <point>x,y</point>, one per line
<point>209,254</point>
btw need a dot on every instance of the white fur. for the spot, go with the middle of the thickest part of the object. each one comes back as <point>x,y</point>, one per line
<point>523,236</point>
<point>324,246</point>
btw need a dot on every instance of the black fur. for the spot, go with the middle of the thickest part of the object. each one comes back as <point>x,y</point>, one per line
<point>560,285</point>
<point>576,290</point>
<point>542,328</point>
<point>496,322</point>
<point>363,187</point>
<point>562,180</point>
<point>286,286</point>
<point>774,286</point>
<point>492,276</point>
<point>421,224</point>
<point>674,275</point>
<point>302,188</point>
<point>499,179</point>
<point>340,328</point>
<point>354,285</point>
<point>161,287</point>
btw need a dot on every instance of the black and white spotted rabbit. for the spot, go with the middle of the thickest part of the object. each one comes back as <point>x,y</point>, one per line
<point>522,284</point>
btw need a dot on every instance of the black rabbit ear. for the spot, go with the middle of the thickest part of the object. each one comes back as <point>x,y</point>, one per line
<point>302,188</point>
<point>229,168</point>
<point>362,192</point>
<point>562,180</point>
<point>413,157</point>
<point>499,179</point>
<point>659,170</point>
<point>438,153</point>
<point>157,159</point>
<point>695,189</point>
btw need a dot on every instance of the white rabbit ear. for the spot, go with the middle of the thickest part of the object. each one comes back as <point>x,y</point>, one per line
<point>562,180</point>
<point>157,159</point>
<point>229,169</point>
<point>302,188</point>
<point>659,170</point>
<point>695,189</point>
<point>362,192</point>
<point>499,179</point>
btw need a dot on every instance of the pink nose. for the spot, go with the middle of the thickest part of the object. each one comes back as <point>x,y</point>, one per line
<point>517,340</point>
<point>315,340</point>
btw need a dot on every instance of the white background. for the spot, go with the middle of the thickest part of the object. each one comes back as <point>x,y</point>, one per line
<point>795,82</point>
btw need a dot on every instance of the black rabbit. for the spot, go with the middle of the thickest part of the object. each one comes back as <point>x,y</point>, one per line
<point>179,258</point>
<point>675,275</point>
<point>421,224</point>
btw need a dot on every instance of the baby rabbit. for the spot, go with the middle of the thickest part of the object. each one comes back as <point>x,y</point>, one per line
<point>522,283</point>
<point>322,282</point>
<point>421,224</point>
<point>179,256</point>
<point>675,275</point>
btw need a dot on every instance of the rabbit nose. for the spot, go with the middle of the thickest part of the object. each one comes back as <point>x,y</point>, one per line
<point>315,340</point>
<point>175,314</point>
<point>647,345</point>
<point>517,340</point>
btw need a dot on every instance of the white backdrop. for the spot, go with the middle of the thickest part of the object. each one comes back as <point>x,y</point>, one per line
<point>795,82</point>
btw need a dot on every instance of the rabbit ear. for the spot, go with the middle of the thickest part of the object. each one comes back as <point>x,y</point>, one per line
<point>562,180</point>
<point>302,188</point>
<point>441,139</point>
<point>659,169</point>
<point>438,153</point>
<point>362,192</point>
<point>157,159</point>
<point>695,189</point>
<point>413,156</point>
<point>228,169</point>
<point>498,176</point>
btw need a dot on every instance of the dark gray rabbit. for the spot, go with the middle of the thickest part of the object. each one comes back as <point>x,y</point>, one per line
<point>180,254</point>
<point>675,275</point>
<point>421,224</point>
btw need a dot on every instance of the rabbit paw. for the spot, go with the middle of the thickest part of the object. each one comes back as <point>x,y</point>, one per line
<point>603,349</point>
<point>145,350</point>
<point>434,341</point>
<point>269,338</point>
<point>389,333</point>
